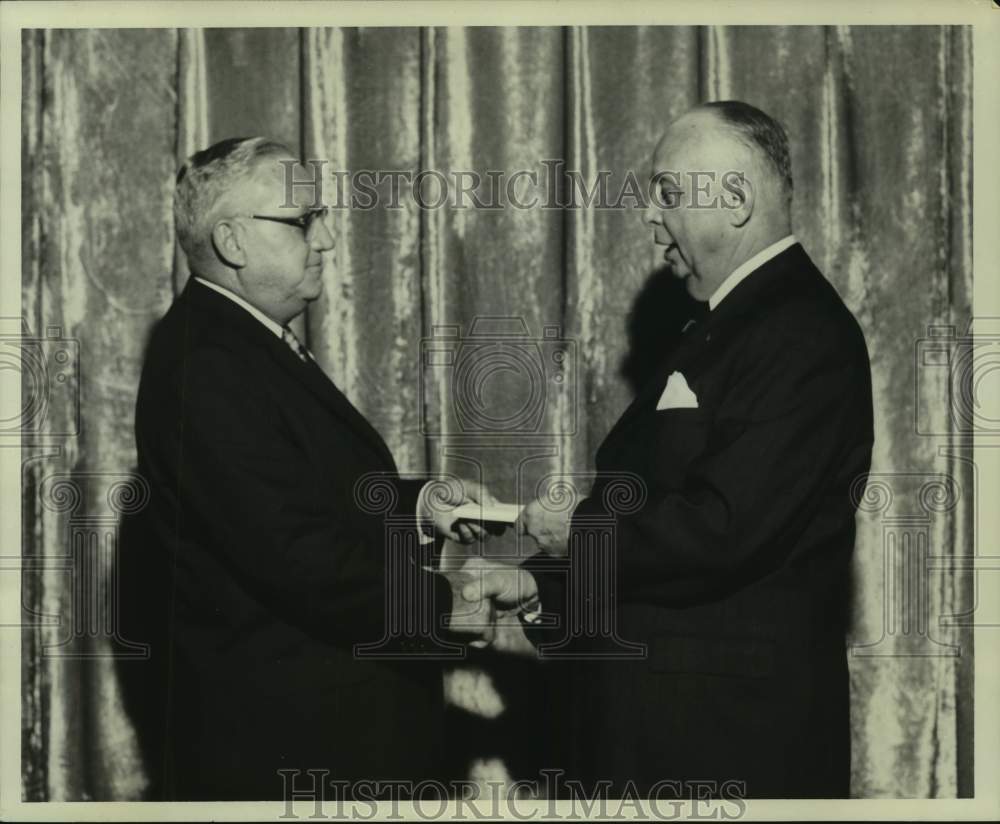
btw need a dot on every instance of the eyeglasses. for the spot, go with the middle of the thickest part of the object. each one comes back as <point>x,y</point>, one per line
<point>303,221</point>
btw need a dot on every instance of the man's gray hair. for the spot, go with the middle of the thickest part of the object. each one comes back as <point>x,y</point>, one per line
<point>205,178</point>
<point>761,133</point>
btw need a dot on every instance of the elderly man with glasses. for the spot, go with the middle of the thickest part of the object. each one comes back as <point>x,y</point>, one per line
<point>275,571</point>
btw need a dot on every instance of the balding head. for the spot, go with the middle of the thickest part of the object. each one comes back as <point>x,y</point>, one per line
<point>723,174</point>
<point>765,139</point>
<point>732,136</point>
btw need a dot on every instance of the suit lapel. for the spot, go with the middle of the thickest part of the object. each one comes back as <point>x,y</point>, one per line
<point>308,372</point>
<point>680,356</point>
<point>742,300</point>
<point>318,382</point>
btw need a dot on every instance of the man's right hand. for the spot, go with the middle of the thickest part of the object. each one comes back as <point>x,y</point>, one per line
<point>441,496</point>
<point>549,528</point>
<point>482,589</point>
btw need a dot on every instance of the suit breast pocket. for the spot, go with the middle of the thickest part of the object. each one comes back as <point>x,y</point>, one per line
<point>679,436</point>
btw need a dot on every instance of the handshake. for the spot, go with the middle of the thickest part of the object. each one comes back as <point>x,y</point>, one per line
<point>485,589</point>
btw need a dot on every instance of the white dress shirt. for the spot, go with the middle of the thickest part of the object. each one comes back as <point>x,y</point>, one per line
<point>749,267</point>
<point>270,323</point>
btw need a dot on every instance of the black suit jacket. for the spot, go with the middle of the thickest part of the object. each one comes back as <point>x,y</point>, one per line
<point>735,570</point>
<point>275,572</point>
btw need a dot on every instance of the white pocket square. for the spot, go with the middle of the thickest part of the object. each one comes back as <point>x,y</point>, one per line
<point>677,394</point>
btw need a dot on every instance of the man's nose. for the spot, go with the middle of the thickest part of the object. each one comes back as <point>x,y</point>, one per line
<point>321,239</point>
<point>651,215</point>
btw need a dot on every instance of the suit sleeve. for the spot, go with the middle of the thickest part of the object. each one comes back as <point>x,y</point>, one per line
<point>792,429</point>
<point>250,487</point>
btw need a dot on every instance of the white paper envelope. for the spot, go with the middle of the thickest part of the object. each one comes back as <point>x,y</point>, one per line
<point>499,513</point>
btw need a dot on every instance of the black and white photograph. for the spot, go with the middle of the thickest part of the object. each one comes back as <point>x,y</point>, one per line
<point>475,410</point>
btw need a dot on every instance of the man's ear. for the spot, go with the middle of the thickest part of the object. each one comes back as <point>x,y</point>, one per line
<point>228,240</point>
<point>738,197</point>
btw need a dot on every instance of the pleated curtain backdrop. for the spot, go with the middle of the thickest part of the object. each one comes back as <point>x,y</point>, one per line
<point>880,128</point>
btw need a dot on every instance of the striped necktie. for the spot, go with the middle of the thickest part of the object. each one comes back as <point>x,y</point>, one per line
<point>288,336</point>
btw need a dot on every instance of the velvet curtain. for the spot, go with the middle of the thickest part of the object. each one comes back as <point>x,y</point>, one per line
<point>880,128</point>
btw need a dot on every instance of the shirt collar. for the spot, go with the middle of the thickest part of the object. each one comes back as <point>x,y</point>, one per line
<point>748,268</point>
<point>271,324</point>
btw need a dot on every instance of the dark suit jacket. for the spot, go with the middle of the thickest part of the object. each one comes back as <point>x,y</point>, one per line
<point>274,571</point>
<point>734,572</point>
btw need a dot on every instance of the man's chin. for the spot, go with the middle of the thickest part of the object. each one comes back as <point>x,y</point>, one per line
<point>693,287</point>
<point>312,288</point>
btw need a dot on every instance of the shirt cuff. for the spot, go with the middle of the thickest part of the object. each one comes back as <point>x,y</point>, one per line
<point>425,526</point>
<point>534,616</point>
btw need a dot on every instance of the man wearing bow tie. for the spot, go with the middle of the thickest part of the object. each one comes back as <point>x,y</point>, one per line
<point>275,569</point>
<point>751,441</point>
